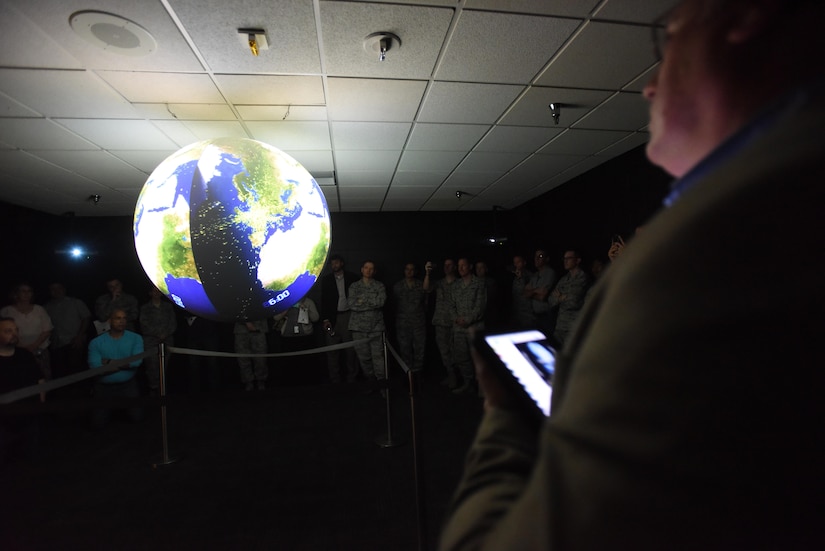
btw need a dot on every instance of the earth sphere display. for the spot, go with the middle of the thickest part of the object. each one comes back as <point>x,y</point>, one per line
<point>232,229</point>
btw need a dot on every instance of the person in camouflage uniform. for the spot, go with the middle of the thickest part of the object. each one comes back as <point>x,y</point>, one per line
<point>158,324</point>
<point>366,300</point>
<point>568,296</point>
<point>521,307</point>
<point>442,316</point>
<point>468,302</point>
<point>410,318</point>
<point>250,338</point>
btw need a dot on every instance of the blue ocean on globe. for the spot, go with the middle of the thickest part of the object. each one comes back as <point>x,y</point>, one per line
<point>232,229</point>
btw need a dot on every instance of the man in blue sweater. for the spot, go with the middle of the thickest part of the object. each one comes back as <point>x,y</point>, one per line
<point>116,344</point>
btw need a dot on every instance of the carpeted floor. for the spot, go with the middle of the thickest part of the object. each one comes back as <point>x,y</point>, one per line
<point>295,467</point>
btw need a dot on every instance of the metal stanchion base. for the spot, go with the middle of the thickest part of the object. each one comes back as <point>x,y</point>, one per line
<point>385,441</point>
<point>161,462</point>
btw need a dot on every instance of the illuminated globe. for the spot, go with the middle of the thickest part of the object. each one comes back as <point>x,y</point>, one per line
<point>232,229</point>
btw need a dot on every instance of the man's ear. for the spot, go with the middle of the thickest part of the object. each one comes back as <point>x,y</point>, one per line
<point>751,19</point>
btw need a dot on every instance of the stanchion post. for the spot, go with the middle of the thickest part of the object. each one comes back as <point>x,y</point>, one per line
<point>421,520</point>
<point>387,441</point>
<point>165,457</point>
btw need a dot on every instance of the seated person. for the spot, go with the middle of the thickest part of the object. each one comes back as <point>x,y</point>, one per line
<point>116,344</point>
<point>18,369</point>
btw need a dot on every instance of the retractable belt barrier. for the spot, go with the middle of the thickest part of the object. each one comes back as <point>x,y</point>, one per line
<point>123,364</point>
<point>112,367</point>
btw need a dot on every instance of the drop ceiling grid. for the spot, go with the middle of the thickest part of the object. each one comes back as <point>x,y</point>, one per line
<point>479,121</point>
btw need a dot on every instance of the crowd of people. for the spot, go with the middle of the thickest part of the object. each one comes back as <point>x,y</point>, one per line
<point>425,314</point>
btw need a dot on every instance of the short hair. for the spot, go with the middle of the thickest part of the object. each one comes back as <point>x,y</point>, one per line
<point>336,256</point>
<point>112,313</point>
<point>7,318</point>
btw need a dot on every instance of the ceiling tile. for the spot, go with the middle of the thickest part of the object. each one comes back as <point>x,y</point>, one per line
<point>119,134</point>
<point>272,89</point>
<point>445,137</point>
<point>315,161</point>
<point>638,11</point>
<point>641,81</point>
<point>185,111</point>
<point>374,100</point>
<point>467,103</point>
<point>292,134</point>
<point>406,198</point>
<point>41,50</point>
<point>631,142</point>
<point>146,161</point>
<point>89,97</point>
<point>12,108</point>
<point>586,63</point>
<point>33,170</point>
<point>99,166</point>
<point>570,8</point>
<point>345,26</point>
<point>370,135</point>
<point>425,181</point>
<point>516,139</point>
<point>486,161</point>
<point>537,169</point>
<point>208,130</point>
<point>52,19</point>
<point>624,111</point>
<point>469,181</point>
<point>360,178</point>
<point>282,112</point>
<point>361,197</point>
<point>34,134</point>
<point>289,25</point>
<point>177,131</point>
<point>357,160</point>
<point>502,47</point>
<point>435,161</point>
<point>582,142</point>
<point>163,87</point>
<point>532,108</point>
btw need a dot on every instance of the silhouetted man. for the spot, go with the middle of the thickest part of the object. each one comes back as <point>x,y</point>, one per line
<point>687,407</point>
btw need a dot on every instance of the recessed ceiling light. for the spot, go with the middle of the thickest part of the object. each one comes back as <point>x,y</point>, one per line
<point>113,33</point>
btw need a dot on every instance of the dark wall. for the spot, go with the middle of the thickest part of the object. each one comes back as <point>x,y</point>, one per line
<point>583,213</point>
<point>614,198</point>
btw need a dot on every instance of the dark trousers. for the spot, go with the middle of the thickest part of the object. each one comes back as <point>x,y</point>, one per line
<point>109,394</point>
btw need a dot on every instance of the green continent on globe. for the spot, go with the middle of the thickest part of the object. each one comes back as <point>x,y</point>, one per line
<point>175,251</point>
